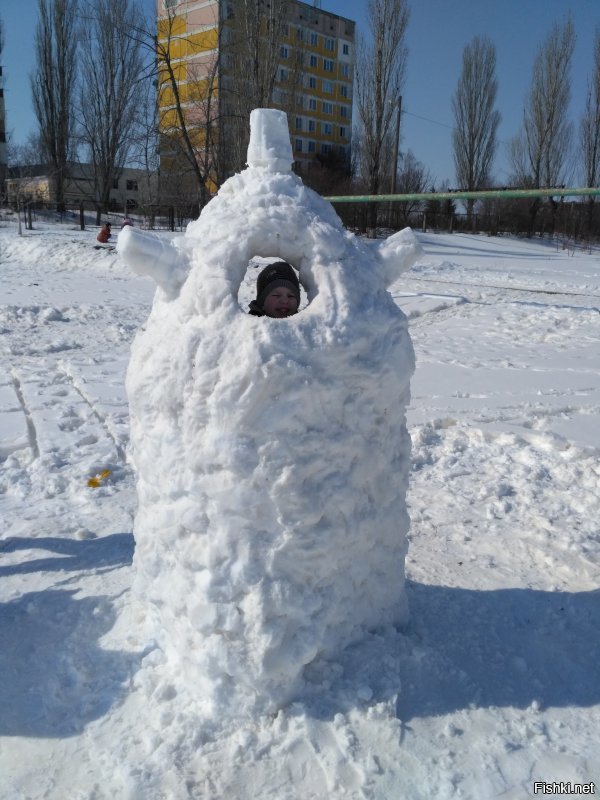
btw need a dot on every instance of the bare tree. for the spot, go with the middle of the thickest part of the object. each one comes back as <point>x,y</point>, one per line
<point>589,133</point>
<point>476,121</point>
<point>53,85</point>
<point>25,185</point>
<point>29,154</point>
<point>3,150</point>
<point>189,112</point>
<point>380,69</point>
<point>540,152</point>
<point>413,178</point>
<point>253,49</point>
<point>144,150</point>
<point>111,91</point>
<point>205,99</point>
<point>261,26</point>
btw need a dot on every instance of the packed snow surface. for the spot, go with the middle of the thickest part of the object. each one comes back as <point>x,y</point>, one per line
<point>493,685</point>
<point>272,455</point>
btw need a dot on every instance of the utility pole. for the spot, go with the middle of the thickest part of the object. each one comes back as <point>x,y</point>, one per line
<point>396,146</point>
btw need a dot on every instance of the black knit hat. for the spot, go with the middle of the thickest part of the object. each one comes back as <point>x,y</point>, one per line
<point>278,274</point>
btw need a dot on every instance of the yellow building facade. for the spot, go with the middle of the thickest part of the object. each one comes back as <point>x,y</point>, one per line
<point>313,83</point>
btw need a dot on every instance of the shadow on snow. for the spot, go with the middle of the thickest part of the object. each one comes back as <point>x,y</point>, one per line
<point>55,677</point>
<point>115,550</point>
<point>468,649</point>
<point>504,647</point>
<point>463,649</point>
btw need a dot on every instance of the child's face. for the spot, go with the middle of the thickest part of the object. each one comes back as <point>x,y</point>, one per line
<point>281,302</point>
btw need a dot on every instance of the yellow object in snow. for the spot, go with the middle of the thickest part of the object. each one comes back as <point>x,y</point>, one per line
<point>97,480</point>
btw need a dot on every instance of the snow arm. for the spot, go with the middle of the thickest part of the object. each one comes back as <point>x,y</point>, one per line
<point>147,254</point>
<point>398,253</point>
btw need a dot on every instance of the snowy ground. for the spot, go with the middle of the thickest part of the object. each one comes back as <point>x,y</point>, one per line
<point>496,682</point>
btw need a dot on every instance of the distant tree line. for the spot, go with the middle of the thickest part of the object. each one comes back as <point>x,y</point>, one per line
<point>101,69</point>
<point>543,154</point>
<point>91,92</point>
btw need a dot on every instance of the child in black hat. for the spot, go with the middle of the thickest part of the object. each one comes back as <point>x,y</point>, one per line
<point>277,291</point>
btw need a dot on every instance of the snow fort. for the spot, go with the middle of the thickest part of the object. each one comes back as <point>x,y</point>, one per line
<point>272,455</point>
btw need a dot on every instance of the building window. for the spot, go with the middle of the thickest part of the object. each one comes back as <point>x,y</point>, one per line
<point>283,74</point>
<point>300,101</point>
<point>283,51</point>
<point>314,38</point>
<point>311,126</point>
<point>300,34</point>
<point>170,3</point>
<point>311,147</point>
<point>342,132</point>
<point>344,111</point>
<point>328,65</point>
<point>325,148</point>
<point>298,123</point>
<point>345,70</point>
<point>132,186</point>
<point>312,104</point>
<point>313,61</point>
<point>327,128</point>
<point>327,107</point>
<point>346,49</point>
<point>329,44</point>
<point>344,90</point>
<point>327,87</point>
<point>299,145</point>
<point>312,83</point>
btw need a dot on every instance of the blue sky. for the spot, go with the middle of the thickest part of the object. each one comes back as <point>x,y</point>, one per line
<point>437,34</point>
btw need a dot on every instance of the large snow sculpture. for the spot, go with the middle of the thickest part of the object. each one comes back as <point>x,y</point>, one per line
<point>272,455</point>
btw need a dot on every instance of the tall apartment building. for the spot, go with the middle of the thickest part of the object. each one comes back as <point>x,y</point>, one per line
<point>313,60</point>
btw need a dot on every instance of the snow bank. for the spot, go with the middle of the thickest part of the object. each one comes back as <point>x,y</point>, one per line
<point>272,455</point>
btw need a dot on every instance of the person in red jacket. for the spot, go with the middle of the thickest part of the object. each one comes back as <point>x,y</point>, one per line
<point>104,233</point>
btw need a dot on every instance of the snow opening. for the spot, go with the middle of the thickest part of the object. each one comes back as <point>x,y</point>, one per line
<point>247,288</point>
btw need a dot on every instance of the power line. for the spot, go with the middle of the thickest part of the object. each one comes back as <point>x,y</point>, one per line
<point>444,125</point>
<point>426,119</point>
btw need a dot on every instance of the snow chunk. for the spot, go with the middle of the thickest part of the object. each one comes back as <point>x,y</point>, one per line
<point>269,145</point>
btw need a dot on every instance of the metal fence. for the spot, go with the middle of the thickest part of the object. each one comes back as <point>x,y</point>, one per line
<point>516,211</point>
<point>571,220</point>
<point>497,212</point>
<point>171,218</point>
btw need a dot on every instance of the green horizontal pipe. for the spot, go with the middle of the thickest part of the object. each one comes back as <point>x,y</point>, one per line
<point>498,194</point>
